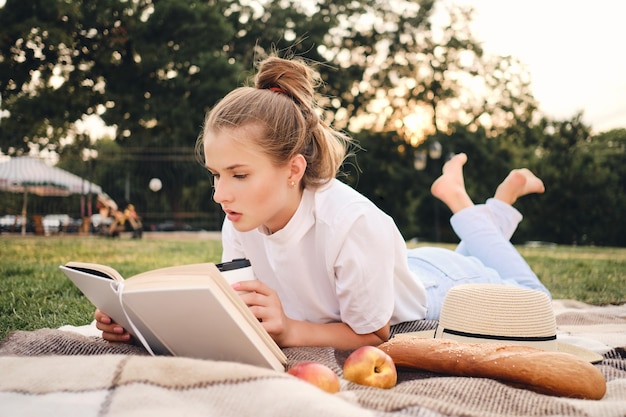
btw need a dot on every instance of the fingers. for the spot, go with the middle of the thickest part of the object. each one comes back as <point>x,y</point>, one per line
<point>257,294</point>
<point>101,317</point>
<point>264,304</point>
<point>111,331</point>
<point>252,286</point>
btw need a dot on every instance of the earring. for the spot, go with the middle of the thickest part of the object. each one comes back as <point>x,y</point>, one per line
<point>292,184</point>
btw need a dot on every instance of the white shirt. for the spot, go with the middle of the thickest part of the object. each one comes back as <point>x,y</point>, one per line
<point>339,259</point>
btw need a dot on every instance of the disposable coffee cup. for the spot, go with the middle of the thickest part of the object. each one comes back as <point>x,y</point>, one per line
<point>236,270</point>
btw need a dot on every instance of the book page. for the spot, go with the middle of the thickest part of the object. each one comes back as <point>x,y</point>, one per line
<point>101,291</point>
<point>101,285</point>
<point>103,271</point>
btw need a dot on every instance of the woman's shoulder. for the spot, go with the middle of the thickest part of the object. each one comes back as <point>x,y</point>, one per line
<point>340,211</point>
<point>340,199</point>
<point>338,192</point>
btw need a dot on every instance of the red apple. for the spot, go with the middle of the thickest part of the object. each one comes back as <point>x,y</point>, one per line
<point>317,374</point>
<point>370,366</point>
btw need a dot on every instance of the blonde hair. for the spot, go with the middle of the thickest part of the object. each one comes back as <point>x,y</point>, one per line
<point>283,102</point>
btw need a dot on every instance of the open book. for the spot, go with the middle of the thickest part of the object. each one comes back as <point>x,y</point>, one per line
<point>187,310</point>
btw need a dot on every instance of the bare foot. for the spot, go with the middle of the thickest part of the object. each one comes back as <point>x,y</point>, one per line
<point>517,184</point>
<point>450,186</point>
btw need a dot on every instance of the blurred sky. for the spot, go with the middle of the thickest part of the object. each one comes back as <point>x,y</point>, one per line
<point>574,50</point>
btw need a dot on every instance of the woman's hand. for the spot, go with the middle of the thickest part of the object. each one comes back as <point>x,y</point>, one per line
<point>111,331</point>
<point>266,307</point>
<point>264,303</point>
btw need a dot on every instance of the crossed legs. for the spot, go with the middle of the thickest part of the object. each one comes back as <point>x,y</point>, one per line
<point>485,229</point>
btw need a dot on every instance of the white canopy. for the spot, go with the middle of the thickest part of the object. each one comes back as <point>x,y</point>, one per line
<point>25,174</point>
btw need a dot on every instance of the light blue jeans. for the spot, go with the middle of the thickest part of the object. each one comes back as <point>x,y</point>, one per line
<point>484,255</point>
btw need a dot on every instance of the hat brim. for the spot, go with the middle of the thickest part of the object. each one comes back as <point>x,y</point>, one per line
<point>584,354</point>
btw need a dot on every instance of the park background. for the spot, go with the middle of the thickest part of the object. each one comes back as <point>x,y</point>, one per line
<point>408,80</point>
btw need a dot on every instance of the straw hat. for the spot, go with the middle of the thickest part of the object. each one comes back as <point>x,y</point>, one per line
<point>481,313</point>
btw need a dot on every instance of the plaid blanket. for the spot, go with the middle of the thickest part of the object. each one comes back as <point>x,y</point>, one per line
<point>50,372</point>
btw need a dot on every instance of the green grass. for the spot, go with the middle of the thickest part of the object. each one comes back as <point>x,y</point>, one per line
<point>590,274</point>
<point>35,294</point>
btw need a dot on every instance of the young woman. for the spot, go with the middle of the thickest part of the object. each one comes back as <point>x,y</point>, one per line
<point>332,269</point>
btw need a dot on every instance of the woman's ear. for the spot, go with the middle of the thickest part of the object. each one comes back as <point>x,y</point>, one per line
<point>297,168</point>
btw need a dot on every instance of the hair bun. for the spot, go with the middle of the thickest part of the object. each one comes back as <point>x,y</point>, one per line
<point>294,77</point>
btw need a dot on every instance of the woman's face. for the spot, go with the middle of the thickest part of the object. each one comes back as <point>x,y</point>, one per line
<point>250,188</point>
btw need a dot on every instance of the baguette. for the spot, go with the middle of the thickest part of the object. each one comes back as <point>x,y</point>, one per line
<point>552,373</point>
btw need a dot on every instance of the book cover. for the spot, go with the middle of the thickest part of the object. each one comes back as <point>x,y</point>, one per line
<point>187,310</point>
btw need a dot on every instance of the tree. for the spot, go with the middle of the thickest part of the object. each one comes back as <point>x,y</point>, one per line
<point>409,75</point>
<point>129,60</point>
<point>584,179</point>
<point>164,67</point>
<point>44,85</point>
<point>149,68</point>
<point>609,151</point>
